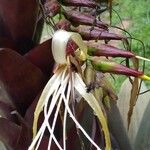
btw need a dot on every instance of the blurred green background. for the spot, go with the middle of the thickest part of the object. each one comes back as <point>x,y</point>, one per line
<point>135,15</point>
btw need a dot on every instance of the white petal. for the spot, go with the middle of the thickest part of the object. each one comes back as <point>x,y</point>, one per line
<point>59,44</point>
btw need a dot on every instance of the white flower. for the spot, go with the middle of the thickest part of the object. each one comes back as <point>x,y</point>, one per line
<point>56,88</point>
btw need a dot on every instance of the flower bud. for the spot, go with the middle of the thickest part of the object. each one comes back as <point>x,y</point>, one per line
<point>63,24</point>
<point>52,8</point>
<point>105,65</point>
<point>96,49</point>
<point>79,18</point>
<point>88,33</point>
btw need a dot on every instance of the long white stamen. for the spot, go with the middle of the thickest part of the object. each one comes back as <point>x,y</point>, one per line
<point>36,138</point>
<point>77,123</point>
<point>63,73</point>
<point>40,139</point>
<point>47,92</point>
<point>46,123</point>
<point>61,89</point>
<point>65,116</point>
<point>46,120</point>
<point>53,100</point>
<point>79,126</point>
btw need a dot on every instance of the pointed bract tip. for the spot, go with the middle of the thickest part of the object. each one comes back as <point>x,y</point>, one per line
<point>144,77</point>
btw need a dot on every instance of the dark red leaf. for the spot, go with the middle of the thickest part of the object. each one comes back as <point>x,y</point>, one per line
<point>22,80</point>
<point>29,116</point>
<point>5,42</point>
<point>9,133</point>
<point>5,110</point>
<point>25,137</point>
<point>20,24</point>
<point>42,57</point>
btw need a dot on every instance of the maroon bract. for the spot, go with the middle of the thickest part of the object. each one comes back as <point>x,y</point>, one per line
<point>6,42</point>
<point>64,24</point>
<point>9,133</point>
<point>78,18</point>
<point>6,109</point>
<point>20,24</point>
<point>89,33</point>
<point>41,56</point>
<point>97,49</point>
<point>22,80</point>
<point>109,66</point>
<point>52,7</point>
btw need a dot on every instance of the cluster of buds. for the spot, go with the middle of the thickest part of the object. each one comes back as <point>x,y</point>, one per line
<point>91,28</point>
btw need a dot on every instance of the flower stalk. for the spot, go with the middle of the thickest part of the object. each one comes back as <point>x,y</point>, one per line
<point>105,65</point>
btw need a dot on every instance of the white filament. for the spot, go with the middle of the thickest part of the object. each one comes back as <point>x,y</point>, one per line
<point>51,86</point>
<point>65,116</point>
<point>61,89</point>
<point>77,123</point>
